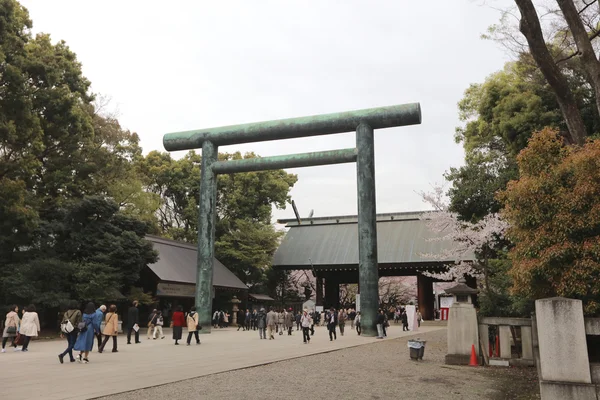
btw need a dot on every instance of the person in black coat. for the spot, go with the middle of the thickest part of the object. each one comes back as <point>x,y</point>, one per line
<point>241,320</point>
<point>332,320</point>
<point>404,319</point>
<point>133,319</point>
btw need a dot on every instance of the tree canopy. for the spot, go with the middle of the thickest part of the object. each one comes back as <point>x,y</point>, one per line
<point>554,215</point>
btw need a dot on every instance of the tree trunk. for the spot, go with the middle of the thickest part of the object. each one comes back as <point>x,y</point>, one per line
<point>584,44</point>
<point>531,29</point>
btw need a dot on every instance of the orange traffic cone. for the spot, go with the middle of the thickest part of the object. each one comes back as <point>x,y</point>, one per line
<point>473,362</point>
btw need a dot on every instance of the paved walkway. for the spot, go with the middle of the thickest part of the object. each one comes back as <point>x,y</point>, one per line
<point>38,374</point>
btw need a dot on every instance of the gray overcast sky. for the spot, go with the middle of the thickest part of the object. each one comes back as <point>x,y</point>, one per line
<point>181,65</point>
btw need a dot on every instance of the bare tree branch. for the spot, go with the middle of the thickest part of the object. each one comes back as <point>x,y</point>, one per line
<point>531,29</point>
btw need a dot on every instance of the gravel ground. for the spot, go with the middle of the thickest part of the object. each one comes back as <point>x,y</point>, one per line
<point>375,371</point>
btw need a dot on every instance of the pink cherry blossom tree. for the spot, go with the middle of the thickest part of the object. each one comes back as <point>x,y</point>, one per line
<point>473,242</point>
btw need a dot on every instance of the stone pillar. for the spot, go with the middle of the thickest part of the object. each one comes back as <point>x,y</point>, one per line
<point>206,236</point>
<point>319,301</point>
<point>527,343</point>
<point>564,363</point>
<point>368,272</point>
<point>484,338</point>
<point>425,296</point>
<point>505,348</point>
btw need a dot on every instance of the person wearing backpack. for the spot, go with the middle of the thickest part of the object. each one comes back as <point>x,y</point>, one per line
<point>68,327</point>
<point>87,328</point>
<point>192,325</point>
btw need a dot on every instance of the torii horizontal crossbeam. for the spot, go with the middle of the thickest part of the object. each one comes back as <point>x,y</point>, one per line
<point>286,161</point>
<point>316,125</point>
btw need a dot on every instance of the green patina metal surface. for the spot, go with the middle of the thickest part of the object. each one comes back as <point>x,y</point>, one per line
<point>363,121</point>
<point>206,236</point>
<point>286,161</point>
<point>376,118</point>
<point>368,271</point>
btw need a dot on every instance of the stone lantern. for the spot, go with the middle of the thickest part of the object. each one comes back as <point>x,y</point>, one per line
<point>234,310</point>
<point>463,330</point>
<point>462,293</point>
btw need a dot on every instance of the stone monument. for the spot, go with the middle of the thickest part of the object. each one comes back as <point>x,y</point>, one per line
<point>563,355</point>
<point>463,330</point>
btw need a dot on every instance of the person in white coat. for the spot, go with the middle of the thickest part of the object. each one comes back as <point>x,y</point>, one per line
<point>30,326</point>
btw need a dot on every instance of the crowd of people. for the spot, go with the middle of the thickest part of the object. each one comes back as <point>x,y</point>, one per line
<point>82,328</point>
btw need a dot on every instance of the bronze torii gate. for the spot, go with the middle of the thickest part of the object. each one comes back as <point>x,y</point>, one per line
<point>361,121</point>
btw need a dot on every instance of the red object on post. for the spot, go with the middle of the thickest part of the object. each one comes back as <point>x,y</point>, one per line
<point>473,362</point>
<point>497,346</point>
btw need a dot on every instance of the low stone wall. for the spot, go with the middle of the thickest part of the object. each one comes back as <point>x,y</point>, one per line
<point>505,357</point>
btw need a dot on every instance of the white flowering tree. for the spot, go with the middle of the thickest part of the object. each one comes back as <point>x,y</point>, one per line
<point>472,241</point>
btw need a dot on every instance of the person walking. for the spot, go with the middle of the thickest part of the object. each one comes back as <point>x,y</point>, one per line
<point>133,322</point>
<point>177,323</point>
<point>193,325</point>
<point>404,318</point>
<point>151,323</point>
<point>73,317</point>
<point>272,318</point>
<point>30,326</point>
<point>241,320</point>
<point>87,328</point>
<point>332,320</point>
<point>419,318</point>
<point>281,321</point>
<point>298,321</point>
<point>254,320</point>
<point>261,323</point>
<point>357,323</point>
<point>160,321</point>
<point>215,319</point>
<point>99,318</point>
<point>247,319</point>
<point>11,327</point>
<point>386,324</point>
<point>306,321</point>
<point>352,317</point>
<point>342,317</point>
<point>289,321</point>
<point>111,329</point>
<point>380,321</point>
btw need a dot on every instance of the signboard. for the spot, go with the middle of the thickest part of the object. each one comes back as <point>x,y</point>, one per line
<point>319,309</point>
<point>175,290</point>
<point>446,301</point>
<point>358,302</point>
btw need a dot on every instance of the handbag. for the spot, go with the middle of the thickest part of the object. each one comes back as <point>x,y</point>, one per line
<point>66,326</point>
<point>11,330</point>
<point>151,321</point>
<point>82,326</point>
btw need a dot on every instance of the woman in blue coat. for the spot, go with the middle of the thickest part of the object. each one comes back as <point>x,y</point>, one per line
<point>85,340</point>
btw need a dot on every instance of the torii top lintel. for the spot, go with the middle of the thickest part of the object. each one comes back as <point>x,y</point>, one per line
<point>325,124</point>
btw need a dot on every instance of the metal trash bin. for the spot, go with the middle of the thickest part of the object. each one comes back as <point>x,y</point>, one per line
<point>417,349</point>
